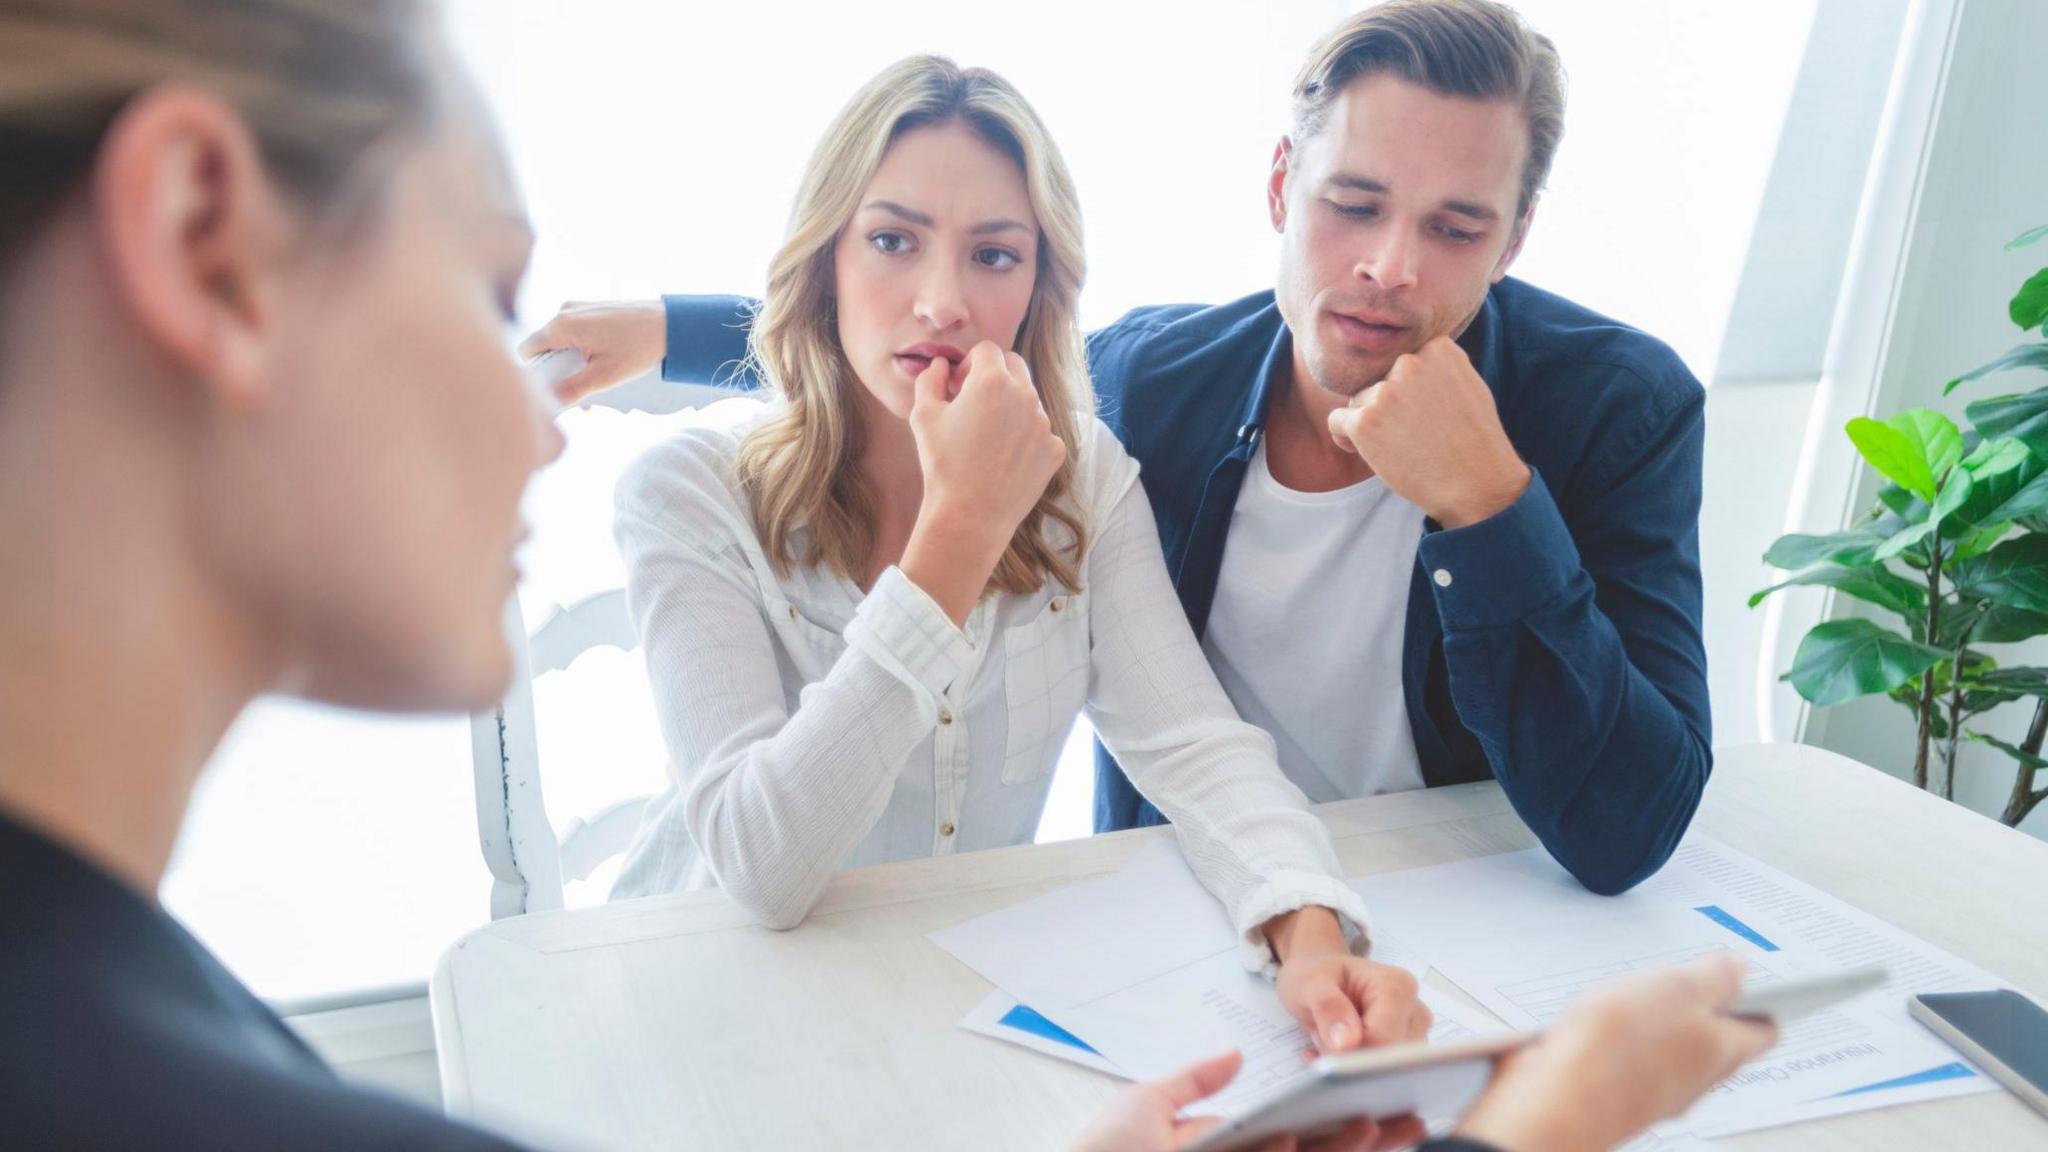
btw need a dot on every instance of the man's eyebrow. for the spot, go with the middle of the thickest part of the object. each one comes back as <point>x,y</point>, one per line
<point>1467,208</point>
<point>1358,183</point>
<point>1473,210</point>
<point>898,211</point>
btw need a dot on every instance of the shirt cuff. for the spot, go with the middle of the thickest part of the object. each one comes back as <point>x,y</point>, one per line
<point>905,631</point>
<point>1288,892</point>
<point>1504,568</point>
<point>705,340</point>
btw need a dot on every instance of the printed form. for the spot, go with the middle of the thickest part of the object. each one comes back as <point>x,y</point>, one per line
<point>1151,994</point>
<point>1142,995</point>
<point>1863,1054</point>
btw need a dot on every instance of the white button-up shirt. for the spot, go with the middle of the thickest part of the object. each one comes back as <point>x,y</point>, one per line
<point>813,727</point>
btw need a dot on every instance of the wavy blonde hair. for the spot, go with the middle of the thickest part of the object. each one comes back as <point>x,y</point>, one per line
<point>800,468</point>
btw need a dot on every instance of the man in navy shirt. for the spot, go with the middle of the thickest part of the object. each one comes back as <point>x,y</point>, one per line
<point>1401,466</point>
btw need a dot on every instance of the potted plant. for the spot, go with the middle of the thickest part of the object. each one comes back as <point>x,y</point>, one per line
<point>1956,548</point>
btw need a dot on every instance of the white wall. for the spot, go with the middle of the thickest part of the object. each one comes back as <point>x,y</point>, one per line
<point>1985,181</point>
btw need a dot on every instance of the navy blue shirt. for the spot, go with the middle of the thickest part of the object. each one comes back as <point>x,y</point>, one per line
<point>118,1030</point>
<point>1560,653</point>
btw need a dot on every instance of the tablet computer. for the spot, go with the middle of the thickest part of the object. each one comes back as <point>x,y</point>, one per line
<point>1397,1080</point>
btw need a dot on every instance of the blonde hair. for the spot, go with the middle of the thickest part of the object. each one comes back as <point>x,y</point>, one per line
<point>318,84</point>
<point>1475,48</point>
<point>800,468</point>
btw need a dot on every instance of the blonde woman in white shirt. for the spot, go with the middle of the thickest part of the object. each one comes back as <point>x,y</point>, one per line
<point>873,607</point>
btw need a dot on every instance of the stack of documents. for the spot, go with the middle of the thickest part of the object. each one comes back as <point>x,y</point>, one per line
<point>1138,974</point>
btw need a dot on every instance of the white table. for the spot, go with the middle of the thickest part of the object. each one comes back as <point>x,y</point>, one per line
<point>674,1023</point>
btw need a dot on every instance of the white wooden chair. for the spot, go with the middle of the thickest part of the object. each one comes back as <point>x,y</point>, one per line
<point>529,865</point>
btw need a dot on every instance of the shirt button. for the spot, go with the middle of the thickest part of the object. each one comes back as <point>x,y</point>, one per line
<point>946,829</point>
<point>1443,577</point>
<point>945,715</point>
<point>1057,605</point>
<point>792,611</point>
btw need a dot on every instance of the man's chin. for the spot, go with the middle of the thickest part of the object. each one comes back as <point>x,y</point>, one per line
<point>1348,375</point>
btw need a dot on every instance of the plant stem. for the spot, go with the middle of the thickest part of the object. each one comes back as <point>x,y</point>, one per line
<point>2024,797</point>
<point>2037,732</point>
<point>1927,677</point>
<point>1955,718</point>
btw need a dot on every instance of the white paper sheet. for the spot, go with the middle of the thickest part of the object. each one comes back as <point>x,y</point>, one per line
<point>1155,991</point>
<point>1811,923</point>
<point>1166,988</point>
<point>1523,939</point>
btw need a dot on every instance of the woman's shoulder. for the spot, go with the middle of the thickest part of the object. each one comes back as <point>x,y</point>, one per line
<point>1103,470</point>
<point>689,481</point>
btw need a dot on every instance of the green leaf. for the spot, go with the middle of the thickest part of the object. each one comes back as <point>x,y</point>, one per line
<point>1896,454</point>
<point>2027,759</point>
<point>1874,585</point>
<point>1843,659</point>
<point>1995,458</point>
<point>1902,503</point>
<point>2023,417</point>
<point>1954,491</point>
<point>2026,238</point>
<point>1940,441</point>
<point>2030,304</point>
<point>1906,538</point>
<point>2018,356</point>
<point>2014,574</point>
<point>2002,625</point>
<point>1990,493</point>
<point>1852,548</point>
<point>1978,542</point>
<point>2029,500</point>
<point>2017,682</point>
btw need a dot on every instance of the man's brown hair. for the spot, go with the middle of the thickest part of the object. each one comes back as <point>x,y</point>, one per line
<point>1471,48</point>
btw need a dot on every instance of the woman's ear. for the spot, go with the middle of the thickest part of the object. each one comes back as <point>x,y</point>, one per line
<point>192,232</point>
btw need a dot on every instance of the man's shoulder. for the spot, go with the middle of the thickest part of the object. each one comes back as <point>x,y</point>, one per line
<point>1560,340</point>
<point>1162,341</point>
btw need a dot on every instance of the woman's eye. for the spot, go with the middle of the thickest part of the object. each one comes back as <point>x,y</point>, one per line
<point>890,243</point>
<point>997,258</point>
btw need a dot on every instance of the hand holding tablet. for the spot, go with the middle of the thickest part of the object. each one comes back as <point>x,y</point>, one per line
<point>1444,1080</point>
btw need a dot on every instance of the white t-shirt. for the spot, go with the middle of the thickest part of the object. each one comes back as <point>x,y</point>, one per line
<point>1306,630</point>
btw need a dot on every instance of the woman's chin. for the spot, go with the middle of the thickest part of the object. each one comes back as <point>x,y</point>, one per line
<point>464,678</point>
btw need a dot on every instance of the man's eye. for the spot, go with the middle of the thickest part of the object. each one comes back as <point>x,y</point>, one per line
<point>1355,211</point>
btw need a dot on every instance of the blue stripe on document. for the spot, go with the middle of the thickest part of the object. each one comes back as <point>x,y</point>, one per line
<point>1957,1071</point>
<point>1025,1020</point>
<point>1720,916</point>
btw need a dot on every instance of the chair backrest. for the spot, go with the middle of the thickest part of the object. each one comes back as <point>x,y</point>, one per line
<point>529,865</point>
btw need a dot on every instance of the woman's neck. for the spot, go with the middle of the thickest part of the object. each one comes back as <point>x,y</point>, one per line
<point>118,672</point>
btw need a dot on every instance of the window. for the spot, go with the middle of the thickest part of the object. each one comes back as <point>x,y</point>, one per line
<point>659,144</point>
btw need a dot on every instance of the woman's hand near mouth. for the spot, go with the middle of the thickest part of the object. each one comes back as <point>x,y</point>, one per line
<point>987,451</point>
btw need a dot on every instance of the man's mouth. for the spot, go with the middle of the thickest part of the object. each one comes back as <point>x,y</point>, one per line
<point>1369,332</point>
